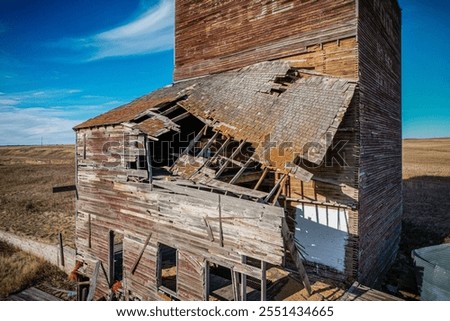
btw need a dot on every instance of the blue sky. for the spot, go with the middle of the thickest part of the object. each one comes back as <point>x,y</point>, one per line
<point>62,62</point>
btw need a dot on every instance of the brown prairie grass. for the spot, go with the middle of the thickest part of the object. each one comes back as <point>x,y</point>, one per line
<point>27,205</point>
<point>20,270</point>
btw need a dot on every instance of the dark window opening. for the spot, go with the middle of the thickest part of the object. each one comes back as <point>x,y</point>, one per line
<point>82,287</point>
<point>132,165</point>
<point>116,257</point>
<point>118,261</point>
<point>169,146</point>
<point>84,146</point>
<point>167,261</point>
<point>220,284</point>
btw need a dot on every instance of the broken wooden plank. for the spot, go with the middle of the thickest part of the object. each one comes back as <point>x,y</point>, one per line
<point>208,229</point>
<point>220,150</point>
<point>233,155</point>
<point>274,189</point>
<point>61,249</point>
<point>241,171</point>
<point>208,144</point>
<point>290,244</point>
<point>93,282</point>
<point>171,109</point>
<point>280,189</point>
<point>133,268</point>
<point>181,117</point>
<point>191,144</point>
<point>238,190</point>
<point>261,179</point>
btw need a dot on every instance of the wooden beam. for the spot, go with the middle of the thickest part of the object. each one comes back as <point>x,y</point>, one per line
<point>191,144</point>
<point>244,281</point>
<point>241,171</point>
<point>105,274</point>
<point>220,223</point>
<point>209,161</point>
<point>169,110</point>
<point>235,285</point>
<point>225,165</point>
<point>180,117</point>
<point>138,259</point>
<point>312,202</point>
<point>93,282</point>
<point>263,281</point>
<point>208,229</point>
<point>274,189</point>
<point>261,179</point>
<point>290,244</point>
<point>61,249</point>
<point>208,144</point>
<point>275,199</point>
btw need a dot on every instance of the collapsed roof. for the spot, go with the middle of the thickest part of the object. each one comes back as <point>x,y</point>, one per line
<point>277,109</point>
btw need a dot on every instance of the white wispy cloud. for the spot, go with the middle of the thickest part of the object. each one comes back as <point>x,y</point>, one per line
<point>26,126</point>
<point>25,117</point>
<point>31,97</point>
<point>151,31</point>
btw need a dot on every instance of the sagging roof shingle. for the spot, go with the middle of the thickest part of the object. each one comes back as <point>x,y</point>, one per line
<point>265,104</point>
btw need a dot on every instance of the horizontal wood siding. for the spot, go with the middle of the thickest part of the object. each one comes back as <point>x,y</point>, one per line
<point>191,274</point>
<point>219,35</point>
<point>336,181</point>
<point>174,215</point>
<point>336,58</point>
<point>381,158</point>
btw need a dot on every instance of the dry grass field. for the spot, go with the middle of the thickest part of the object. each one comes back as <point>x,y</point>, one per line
<point>20,270</point>
<point>29,208</point>
<point>27,204</point>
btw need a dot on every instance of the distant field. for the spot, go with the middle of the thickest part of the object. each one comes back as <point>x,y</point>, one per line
<point>37,155</point>
<point>429,157</point>
<point>28,207</point>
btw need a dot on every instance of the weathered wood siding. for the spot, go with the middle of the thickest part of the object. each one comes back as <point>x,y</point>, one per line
<point>336,58</point>
<point>174,215</point>
<point>380,121</point>
<point>335,181</point>
<point>214,36</point>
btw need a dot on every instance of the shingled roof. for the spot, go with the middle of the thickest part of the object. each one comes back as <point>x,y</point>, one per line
<point>267,104</point>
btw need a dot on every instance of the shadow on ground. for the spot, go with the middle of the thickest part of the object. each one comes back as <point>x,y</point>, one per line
<point>425,222</point>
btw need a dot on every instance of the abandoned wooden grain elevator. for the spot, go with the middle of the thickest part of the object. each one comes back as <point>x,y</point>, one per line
<point>277,147</point>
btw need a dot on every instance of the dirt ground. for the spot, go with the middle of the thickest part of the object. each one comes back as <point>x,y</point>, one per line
<point>28,207</point>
